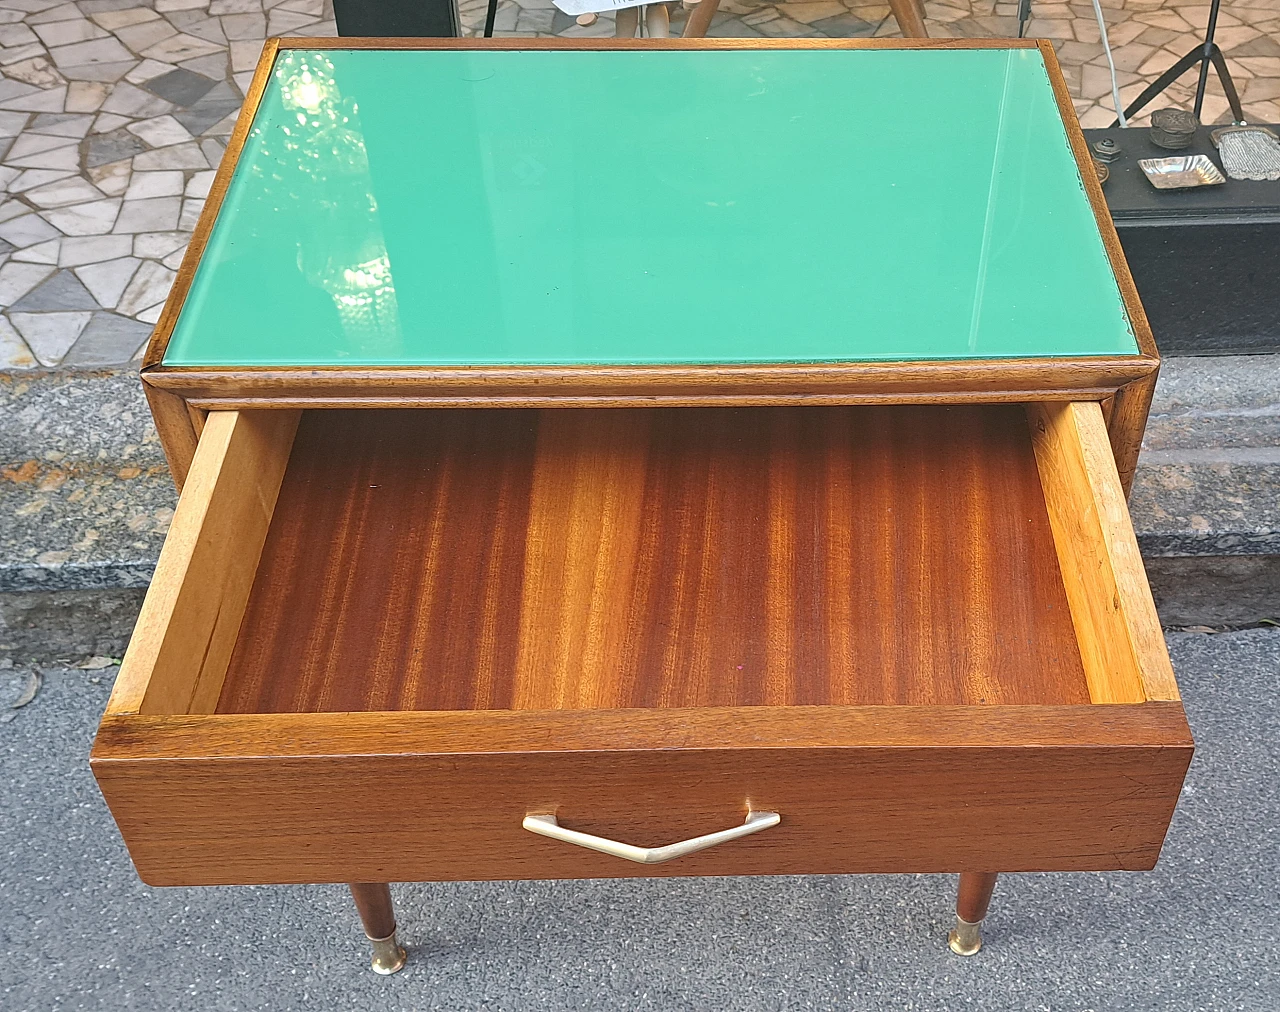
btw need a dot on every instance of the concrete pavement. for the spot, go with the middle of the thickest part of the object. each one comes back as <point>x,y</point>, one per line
<point>79,931</point>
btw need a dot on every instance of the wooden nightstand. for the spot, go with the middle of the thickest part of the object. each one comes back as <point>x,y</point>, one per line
<point>559,469</point>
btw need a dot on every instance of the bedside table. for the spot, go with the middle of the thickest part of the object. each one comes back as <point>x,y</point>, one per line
<point>577,485</point>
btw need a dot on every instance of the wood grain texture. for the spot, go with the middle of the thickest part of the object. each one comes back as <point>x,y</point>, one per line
<point>178,653</point>
<point>373,904</point>
<point>663,558</point>
<point>176,429</point>
<point>645,385</point>
<point>1126,423</point>
<point>973,897</point>
<point>910,17</point>
<point>440,796</point>
<point>1121,642</point>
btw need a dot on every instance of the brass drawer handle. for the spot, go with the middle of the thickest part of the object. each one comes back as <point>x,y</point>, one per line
<point>546,825</point>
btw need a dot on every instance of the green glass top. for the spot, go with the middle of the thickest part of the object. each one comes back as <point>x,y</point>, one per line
<point>478,207</point>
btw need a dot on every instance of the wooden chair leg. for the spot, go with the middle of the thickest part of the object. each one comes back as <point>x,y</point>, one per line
<point>910,17</point>
<point>700,19</point>
<point>972,901</point>
<point>373,902</point>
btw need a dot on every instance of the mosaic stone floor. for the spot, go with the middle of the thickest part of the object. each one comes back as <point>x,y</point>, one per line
<point>114,113</point>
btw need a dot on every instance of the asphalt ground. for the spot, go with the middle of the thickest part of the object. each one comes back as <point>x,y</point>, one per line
<point>79,931</point>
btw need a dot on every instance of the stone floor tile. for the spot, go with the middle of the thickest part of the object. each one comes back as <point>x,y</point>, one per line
<point>180,47</point>
<point>282,22</point>
<point>16,35</point>
<point>80,250</point>
<point>221,101</point>
<point>65,156</point>
<point>108,72</point>
<point>107,50</point>
<point>112,21</point>
<point>129,100</point>
<point>146,70</point>
<point>61,124</point>
<point>60,291</point>
<point>156,214</point>
<point>207,28</point>
<point>14,353</point>
<point>85,219</point>
<point>845,25</point>
<point>243,80</point>
<point>199,184</point>
<point>48,100</point>
<point>28,229</point>
<point>31,178</point>
<point>214,66</point>
<point>37,70</point>
<point>16,279</point>
<point>244,54</point>
<point>146,33</point>
<point>247,26</point>
<point>112,147</point>
<point>29,143</point>
<point>109,339</point>
<point>1262,66</point>
<point>105,122</point>
<point>220,7</point>
<point>154,184</point>
<point>12,123</point>
<point>178,5</point>
<point>62,33</point>
<point>155,245</point>
<point>160,132</point>
<point>223,127</point>
<point>41,253</point>
<point>73,190</point>
<point>50,335</point>
<point>315,7</point>
<point>179,156</point>
<point>149,287</point>
<point>181,86</point>
<point>191,209</point>
<point>151,315</point>
<point>56,12</point>
<point>107,281</point>
<point>1263,45</point>
<point>111,178</point>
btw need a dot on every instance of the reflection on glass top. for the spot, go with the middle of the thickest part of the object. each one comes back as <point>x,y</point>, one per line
<point>454,207</point>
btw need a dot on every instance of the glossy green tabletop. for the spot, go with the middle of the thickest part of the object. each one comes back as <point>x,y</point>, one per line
<point>479,207</point>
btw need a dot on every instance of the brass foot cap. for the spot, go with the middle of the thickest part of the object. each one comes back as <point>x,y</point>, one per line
<point>388,955</point>
<point>966,937</point>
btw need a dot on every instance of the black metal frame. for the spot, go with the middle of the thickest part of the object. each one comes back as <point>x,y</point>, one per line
<point>1202,55</point>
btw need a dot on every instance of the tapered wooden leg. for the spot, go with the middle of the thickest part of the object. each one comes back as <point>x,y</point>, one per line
<point>971,907</point>
<point>373,901</point>
<point>910,17</point>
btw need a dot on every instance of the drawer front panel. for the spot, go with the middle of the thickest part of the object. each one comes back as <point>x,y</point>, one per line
<point>197,821</point>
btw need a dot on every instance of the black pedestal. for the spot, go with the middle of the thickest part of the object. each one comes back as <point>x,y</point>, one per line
<point>417,18</point>
<point>1206,261</point>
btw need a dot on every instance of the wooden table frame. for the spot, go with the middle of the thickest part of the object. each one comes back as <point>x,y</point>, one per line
<point>180,396</point>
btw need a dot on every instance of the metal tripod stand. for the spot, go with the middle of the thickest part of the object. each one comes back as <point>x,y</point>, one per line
<point>1203,55</point>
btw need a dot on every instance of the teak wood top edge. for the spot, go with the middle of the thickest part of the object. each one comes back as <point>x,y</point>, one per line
<point>134,737</point>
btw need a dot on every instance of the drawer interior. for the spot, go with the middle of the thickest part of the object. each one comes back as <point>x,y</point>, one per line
<point>603,559</point>
<point>509,559</point>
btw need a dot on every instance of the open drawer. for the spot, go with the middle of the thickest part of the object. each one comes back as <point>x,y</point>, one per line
<point>378,640</point>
